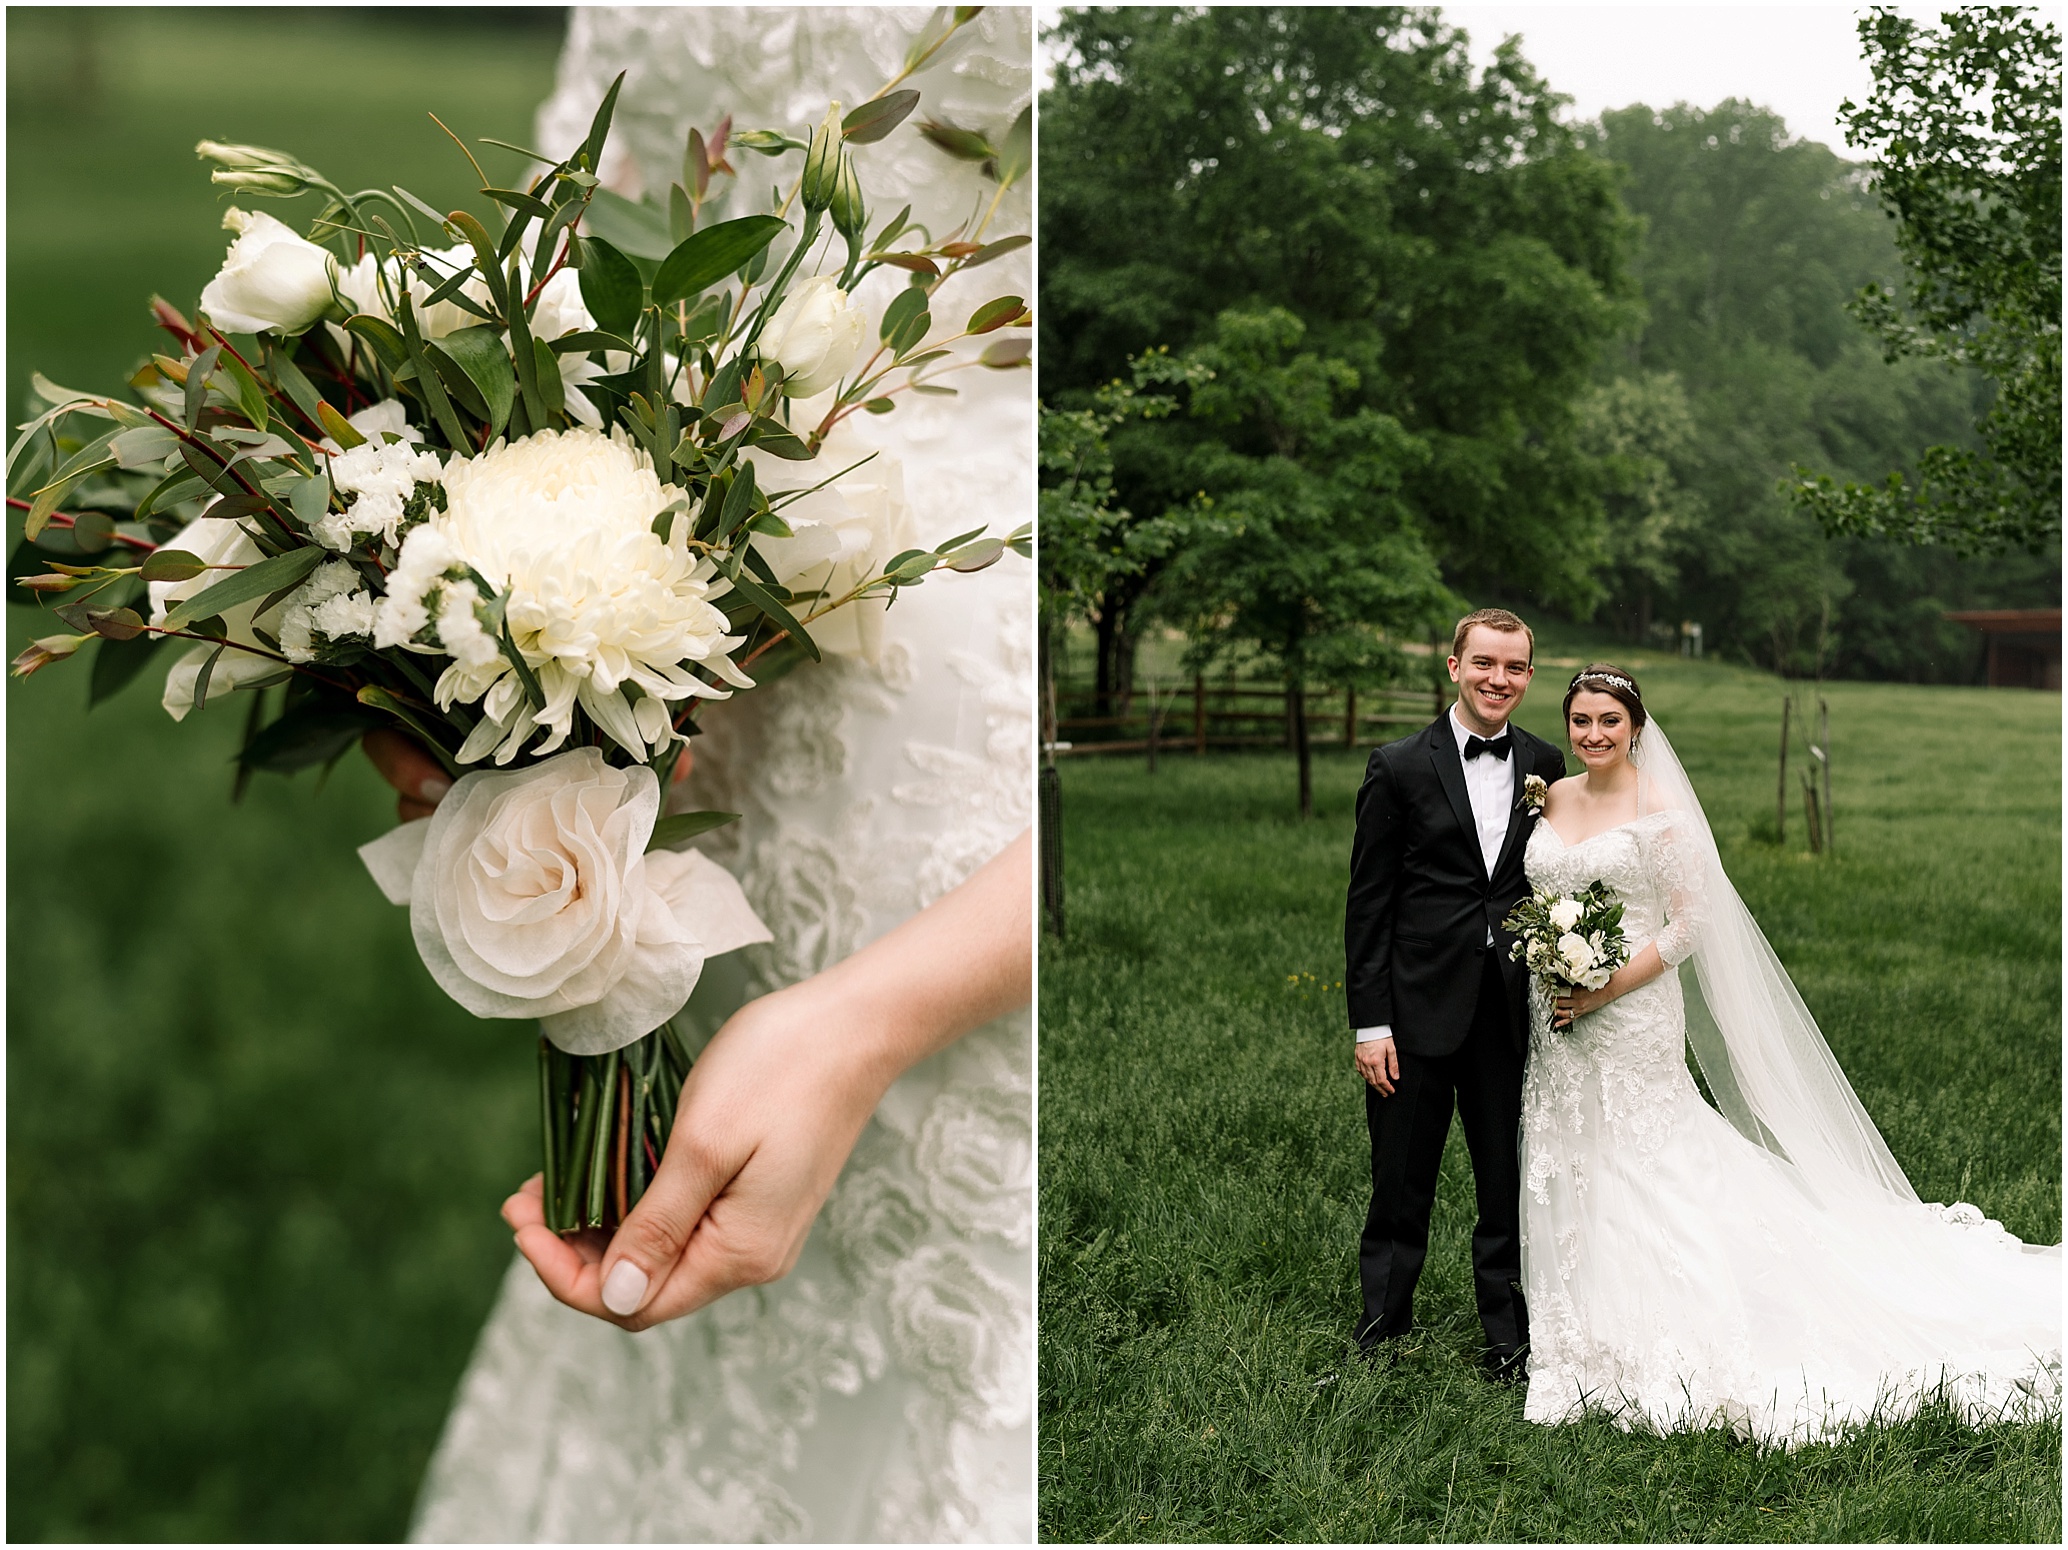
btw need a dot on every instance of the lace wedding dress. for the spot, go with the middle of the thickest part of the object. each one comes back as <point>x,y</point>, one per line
<point>882,1390</point>
<point>1685,1269</point>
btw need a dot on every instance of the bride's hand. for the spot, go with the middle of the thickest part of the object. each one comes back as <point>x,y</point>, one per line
<point>776,1101</point>
<point>1578,1003</point>
<point>769,1113</point>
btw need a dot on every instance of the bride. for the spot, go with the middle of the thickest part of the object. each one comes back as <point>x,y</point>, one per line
<point>1766,1267</point>
<point>882,1387</point>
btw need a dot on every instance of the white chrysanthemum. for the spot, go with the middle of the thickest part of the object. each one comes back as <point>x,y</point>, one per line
<point>331,604</point>
<point>560,524</point>
<point>381,476</point>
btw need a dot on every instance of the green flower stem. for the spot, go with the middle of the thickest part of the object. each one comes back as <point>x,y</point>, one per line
<point>643,1059</point>
<point>549,1135</point>
<point>623,1128</point>
<point>606,1090</point>
<point>573,1199</point>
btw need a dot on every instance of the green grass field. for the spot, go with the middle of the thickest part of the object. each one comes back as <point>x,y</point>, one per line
<point>1204,1165</point>
<point>254,1155</point>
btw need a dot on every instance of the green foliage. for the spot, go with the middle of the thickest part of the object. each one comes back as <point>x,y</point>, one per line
<point>1205,1169</point>
<point>1964,125</point>
<point>1435,230</point>
<point>1316,555</point>
<point>1752,244</point>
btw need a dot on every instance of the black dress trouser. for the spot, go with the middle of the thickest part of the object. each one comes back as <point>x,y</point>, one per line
<point>1482,1079</point>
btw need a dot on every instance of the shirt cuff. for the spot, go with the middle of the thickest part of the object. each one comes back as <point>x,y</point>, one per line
<point>1382,1031</point>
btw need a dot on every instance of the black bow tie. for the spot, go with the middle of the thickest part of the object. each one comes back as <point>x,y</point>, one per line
<point>1497,746</point>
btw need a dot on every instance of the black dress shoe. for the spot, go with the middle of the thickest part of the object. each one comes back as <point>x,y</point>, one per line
<point>1507,1365</point>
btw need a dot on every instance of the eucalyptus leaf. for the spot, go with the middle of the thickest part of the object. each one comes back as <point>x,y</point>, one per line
<point>711,254</point>
<point>246,585</point>
<point>611,289</point>
<point>635,229</point>
<point>875,119</point>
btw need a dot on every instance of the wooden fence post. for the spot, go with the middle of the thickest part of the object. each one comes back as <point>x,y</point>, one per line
<point>1781,810</point>
<point>1824,759</point>
<point>1350,717</point>
<point>1199,713</point>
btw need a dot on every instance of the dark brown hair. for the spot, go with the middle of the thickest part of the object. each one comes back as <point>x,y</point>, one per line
<point>1607,678</point>
<point>1494,619</point>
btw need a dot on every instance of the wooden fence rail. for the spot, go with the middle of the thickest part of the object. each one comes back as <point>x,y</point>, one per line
<point>1203,715</point>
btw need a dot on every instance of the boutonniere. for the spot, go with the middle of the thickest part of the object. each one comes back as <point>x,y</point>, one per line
<point>1534,790</point>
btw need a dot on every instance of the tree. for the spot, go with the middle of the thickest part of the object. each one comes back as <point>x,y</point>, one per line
<point>1965,127</point>
<point>1316,554</point>
<point>1434,228</point>
<point>1753,242</point>
<point>1639,430</point>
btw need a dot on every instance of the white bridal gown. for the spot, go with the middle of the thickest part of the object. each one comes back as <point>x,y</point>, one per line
<point>882,1390</point>
<point>1680,1274</point>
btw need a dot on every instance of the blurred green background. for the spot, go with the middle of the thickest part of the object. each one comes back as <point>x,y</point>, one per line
<point>254,1156</point>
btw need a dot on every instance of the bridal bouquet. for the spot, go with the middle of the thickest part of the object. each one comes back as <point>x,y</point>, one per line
<point>1570,941</point>
<point>519,485</point>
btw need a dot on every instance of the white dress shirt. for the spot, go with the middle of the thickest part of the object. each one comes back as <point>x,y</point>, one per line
<point>1490,783</point>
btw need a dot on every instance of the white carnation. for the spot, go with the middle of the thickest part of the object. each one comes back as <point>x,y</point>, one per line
<point>331,604</point>
<point>1565,914</point>
<point>382,476</point>
<point>597,603</point>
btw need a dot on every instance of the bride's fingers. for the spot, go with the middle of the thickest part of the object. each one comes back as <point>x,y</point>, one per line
<point>561,1266</point>
<point>528,1206</point>
<point>648,1245</point>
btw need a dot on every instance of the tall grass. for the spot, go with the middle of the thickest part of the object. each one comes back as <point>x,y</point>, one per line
<point>254,1155</point>
<point>1204,1165</point>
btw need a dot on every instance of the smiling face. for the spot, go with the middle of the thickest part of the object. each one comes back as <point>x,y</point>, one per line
<point>1599,728</point>
<point>1491,673</point>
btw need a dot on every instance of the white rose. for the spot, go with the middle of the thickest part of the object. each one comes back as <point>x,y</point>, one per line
<point>1565,914</point>
<point>214,541</point>
<point>531,894</point>
<point>1576,951</point>
<point>841,535</point>
<point>814,336</point>
<point>271,280</point>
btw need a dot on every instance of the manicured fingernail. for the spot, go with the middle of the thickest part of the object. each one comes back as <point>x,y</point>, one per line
<point>624,1288</point>
<point>433,788</point>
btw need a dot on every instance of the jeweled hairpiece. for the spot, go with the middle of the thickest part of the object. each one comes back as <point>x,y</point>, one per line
<point>1604,678</point>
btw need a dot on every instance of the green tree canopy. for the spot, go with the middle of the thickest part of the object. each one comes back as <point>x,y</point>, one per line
<point>1964,125</point>
<point>1434,228</point>
<point>1315,555</point>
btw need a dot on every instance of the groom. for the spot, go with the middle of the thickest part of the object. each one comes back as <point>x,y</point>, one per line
<point>1436,1004</point>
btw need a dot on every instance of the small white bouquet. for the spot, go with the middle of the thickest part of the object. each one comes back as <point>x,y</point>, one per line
<point>531,485</point>
<point>1570,941</point>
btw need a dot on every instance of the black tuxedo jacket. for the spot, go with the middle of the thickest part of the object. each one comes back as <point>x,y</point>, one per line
<point>1421,902</point>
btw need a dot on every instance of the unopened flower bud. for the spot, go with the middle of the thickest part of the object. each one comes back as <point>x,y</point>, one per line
<point>257,169</point>
<point>822,162</point>
<point>848,212</point>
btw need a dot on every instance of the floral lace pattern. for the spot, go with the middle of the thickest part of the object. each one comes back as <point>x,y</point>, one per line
<point>1679,1276</point>
<point>882,1390</point>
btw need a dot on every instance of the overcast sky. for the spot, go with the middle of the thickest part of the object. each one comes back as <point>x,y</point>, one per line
<point>1800,60</point>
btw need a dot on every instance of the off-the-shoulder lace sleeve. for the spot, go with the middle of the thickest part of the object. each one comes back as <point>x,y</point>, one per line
<point>1678,859</point>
